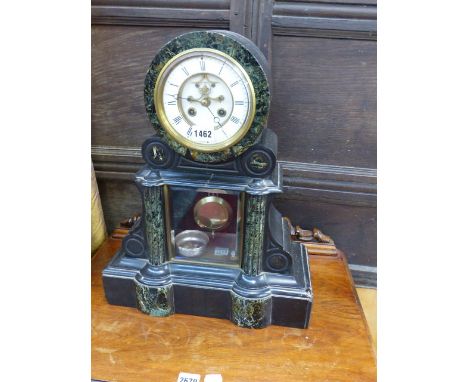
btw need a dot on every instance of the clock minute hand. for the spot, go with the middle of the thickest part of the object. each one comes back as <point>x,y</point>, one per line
<point>215,119</point>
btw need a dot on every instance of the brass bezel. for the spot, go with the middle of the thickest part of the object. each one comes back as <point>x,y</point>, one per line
<point>160,111</point>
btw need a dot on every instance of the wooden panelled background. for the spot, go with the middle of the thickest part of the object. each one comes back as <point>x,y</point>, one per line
<point>323,59</point>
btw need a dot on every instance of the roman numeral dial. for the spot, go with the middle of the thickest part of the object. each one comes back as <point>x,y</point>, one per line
<point>205,100</point>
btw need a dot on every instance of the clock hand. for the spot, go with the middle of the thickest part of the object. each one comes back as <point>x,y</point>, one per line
<point>203,100</point>
<point>211,112</point>
<point>215,119</point>
<point>219,98</point>
<point>191,99</point>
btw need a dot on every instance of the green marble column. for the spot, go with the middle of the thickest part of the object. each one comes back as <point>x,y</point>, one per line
<point>155,225</point>
<point>254,232</point>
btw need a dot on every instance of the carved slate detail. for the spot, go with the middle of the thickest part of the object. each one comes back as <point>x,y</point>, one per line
<point>134,243</point>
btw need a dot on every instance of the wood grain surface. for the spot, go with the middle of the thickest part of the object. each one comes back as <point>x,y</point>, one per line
<point>130,346</point>
<point>324,94</point>
<point>368,299</point>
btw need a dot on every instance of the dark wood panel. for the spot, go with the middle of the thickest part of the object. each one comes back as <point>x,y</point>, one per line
<point>202,13</point>
<point>324,100</point>
<point>351,2</point>
<point>351,186</point>
<point>353,228</point>
<point>120,199</point>
<point>252,19</point>
<point>120,58</point>
<point>177,4</point>
<point>350,21</point>
<point>314,9</point>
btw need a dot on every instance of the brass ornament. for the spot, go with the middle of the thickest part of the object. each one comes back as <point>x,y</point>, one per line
<point>212,213</point>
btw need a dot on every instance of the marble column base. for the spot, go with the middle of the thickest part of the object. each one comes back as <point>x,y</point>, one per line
<point>251,312</point>
<point>155,301</point>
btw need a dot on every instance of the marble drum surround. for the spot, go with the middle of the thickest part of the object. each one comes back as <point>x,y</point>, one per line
<point>241,50</point>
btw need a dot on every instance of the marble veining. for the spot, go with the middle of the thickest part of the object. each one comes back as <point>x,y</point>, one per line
<point>157,302</point>
<point>255,211</point>
<point>251,313</point>
<point>154,224</point>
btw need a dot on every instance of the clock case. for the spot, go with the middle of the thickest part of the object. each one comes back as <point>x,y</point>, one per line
<point>272,283</point>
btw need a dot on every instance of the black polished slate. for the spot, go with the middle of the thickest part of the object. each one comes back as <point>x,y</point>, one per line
<point>208,290</point>
<point>259,161</point>
<point>272,286</point>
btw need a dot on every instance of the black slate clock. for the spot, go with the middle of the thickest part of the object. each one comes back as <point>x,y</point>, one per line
<point>209,241</point>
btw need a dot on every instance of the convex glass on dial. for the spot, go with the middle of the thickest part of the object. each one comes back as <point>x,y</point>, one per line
<point>205,99</point>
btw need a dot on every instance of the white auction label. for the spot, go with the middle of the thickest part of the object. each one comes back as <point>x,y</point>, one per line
<point>220,251</point>
<point>187,377</point>
<point>213,378</point>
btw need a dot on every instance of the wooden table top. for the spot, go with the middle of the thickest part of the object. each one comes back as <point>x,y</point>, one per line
<point>128,345</point>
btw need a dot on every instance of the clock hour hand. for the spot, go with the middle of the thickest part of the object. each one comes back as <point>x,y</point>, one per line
<point>191,99</point>
<point>204,100</point>
<point>219,98</point>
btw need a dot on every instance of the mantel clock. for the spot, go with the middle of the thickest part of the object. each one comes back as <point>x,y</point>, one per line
<point>209,241</point>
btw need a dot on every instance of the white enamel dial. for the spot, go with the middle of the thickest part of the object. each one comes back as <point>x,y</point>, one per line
<point>205,100</point>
